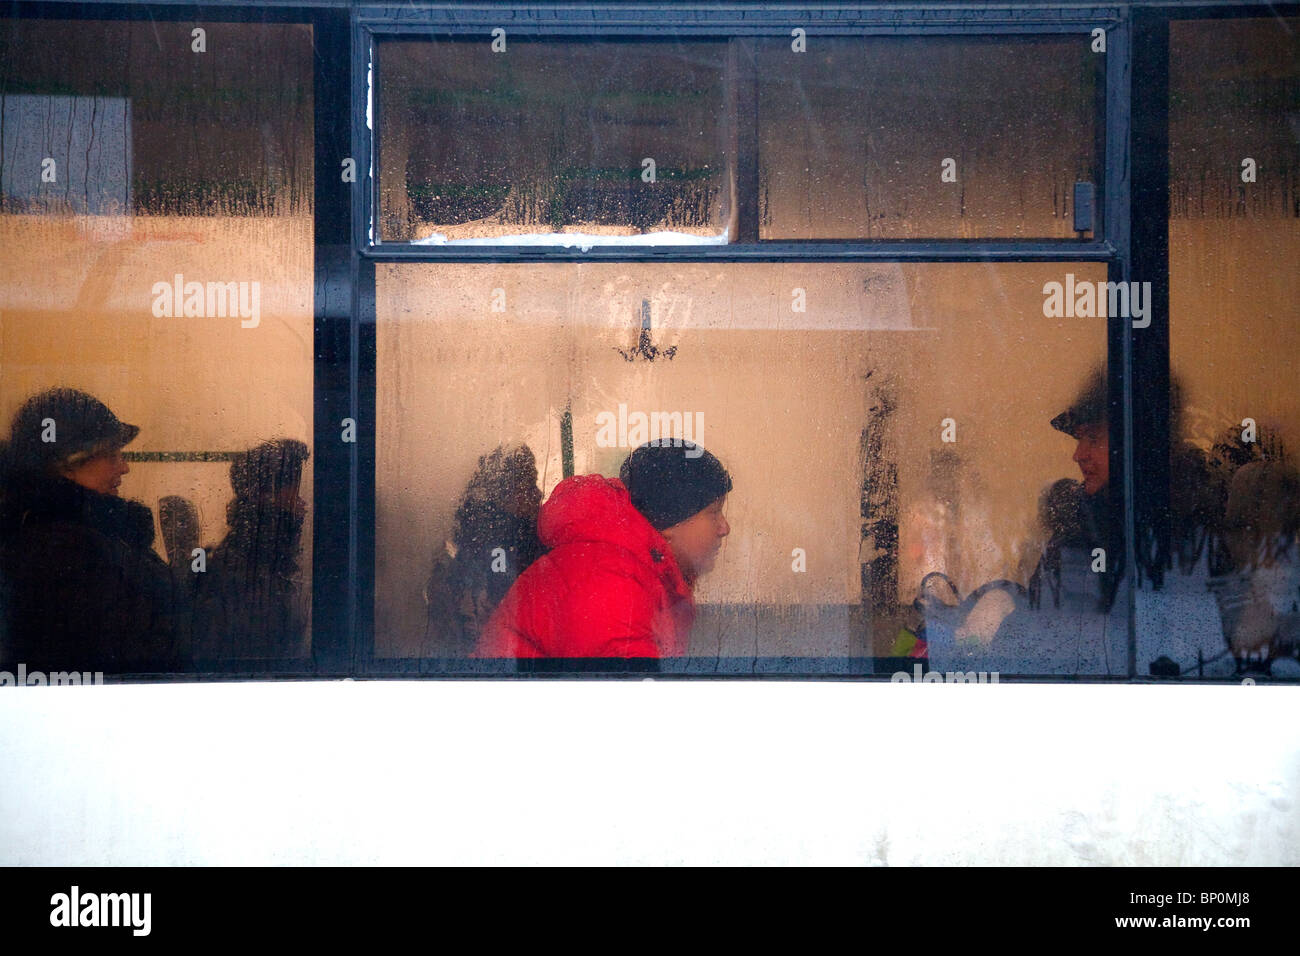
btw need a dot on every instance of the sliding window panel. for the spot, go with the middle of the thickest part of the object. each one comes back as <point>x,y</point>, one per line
<point>900,494</point>
<point>613,141</point>
<point>156,215</point>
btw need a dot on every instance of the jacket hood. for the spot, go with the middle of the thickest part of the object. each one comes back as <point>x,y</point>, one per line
<point>608,586</point>
<point>593,508</point>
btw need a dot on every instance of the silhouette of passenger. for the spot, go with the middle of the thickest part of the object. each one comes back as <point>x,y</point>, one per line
<point>80,583</point>
<point>1059,624</point>
<point>494,541</point>
<point>624,557</point>
<point>1208,516</point>
<point>249,601</point>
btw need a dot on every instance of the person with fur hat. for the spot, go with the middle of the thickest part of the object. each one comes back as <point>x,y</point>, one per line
<point>1078,515</point>
<point>624,556</point>
<point>80,584</point>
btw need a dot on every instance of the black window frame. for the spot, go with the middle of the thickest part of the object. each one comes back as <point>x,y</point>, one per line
<point>373,23</point>
<point>1134,177</point>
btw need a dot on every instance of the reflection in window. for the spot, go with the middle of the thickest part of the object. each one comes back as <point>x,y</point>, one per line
<point>156,219</point>
<point>606,139</point>
<point>904,138</point>
<point>899,485</point>
<point>1231,599</point>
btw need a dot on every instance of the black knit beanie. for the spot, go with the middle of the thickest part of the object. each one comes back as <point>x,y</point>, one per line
<point>670,483</point>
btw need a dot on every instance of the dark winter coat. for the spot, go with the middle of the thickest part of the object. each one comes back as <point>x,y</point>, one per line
<point>1077,524</point>
<point>80,585</point>
<point>608,587</point>
<point>248,605</point>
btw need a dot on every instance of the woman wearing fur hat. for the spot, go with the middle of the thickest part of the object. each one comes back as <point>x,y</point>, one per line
<point>80,584</point>
<point>624,556</point>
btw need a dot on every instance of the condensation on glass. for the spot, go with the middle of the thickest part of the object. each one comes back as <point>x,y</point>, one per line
<point>881,422</point>
<point>600,139</point>
<point>156,213</point>
<point>934,137</point>
<point>1230,601</point>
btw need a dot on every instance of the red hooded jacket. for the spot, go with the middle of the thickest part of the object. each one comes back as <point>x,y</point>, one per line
<point>608,586</point>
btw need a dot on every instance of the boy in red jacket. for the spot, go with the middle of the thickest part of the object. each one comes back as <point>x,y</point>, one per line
<point>624,555</point>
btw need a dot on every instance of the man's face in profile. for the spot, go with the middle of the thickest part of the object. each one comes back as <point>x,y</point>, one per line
<point>1093,456</point>
<point>697,540</point>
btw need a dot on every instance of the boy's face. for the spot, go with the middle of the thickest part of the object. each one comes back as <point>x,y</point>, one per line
<point>696,541</point>
<point>1093,456</point>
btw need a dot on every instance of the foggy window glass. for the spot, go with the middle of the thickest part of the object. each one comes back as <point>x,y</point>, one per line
<point>156,365</point>
<point>602,139</point>
<point>1231,602</point>
<point>903,443</point>
<point>907,138</point>
<point>148,117</point>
